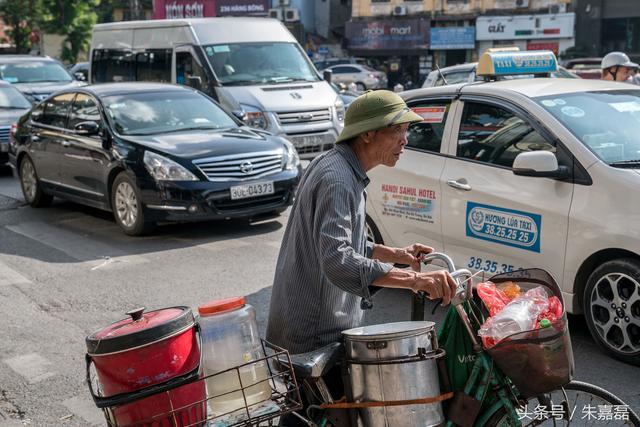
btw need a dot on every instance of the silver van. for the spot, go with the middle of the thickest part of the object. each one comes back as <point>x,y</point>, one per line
<point>253,67</point>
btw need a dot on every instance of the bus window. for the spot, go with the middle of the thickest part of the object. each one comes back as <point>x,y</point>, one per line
<point>154,66</point>
<point>110,65</point>
<point>190,73</point>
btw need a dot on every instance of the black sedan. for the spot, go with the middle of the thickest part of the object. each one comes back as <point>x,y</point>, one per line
<point>149,153</point>
<point>13,104</point>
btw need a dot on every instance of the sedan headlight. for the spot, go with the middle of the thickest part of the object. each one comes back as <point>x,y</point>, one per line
<point>291,159</point>
<point>163,169</point>
<point>339,106</point>
<point>255,118</point>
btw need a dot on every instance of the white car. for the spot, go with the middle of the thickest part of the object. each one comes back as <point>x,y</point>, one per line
<point>363,76</point>
<point>524,173</point>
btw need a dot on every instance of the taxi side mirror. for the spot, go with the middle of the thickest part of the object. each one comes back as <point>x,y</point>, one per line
<point>542,164</point>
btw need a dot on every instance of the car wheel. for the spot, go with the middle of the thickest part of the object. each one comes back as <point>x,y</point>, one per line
<point>127,206</point>
<point>373,234</point>
<point>31,187</point>
<point>361,87</point>
<point>611,305</point>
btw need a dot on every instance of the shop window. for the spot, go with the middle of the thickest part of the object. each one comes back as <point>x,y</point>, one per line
<point>110,65</point>
<point>154,66</point>
<point>494,135</point>
<point>427,135</point>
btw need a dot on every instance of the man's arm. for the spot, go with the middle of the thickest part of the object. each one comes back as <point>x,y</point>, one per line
<point>411,255</point>
<point>334,217</point>
<point>436,284</point>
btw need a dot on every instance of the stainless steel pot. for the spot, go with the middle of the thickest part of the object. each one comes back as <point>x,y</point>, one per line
<point>395,361</point>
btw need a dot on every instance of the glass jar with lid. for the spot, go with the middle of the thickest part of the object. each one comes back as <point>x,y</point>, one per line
<point>230,339</point>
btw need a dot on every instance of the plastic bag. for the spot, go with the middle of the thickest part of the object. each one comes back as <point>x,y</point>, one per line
<point>492,297</point>
<point>521,314</point>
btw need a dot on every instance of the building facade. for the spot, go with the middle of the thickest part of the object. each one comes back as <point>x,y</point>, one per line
<point>606,25</point>
<point>411,37</point>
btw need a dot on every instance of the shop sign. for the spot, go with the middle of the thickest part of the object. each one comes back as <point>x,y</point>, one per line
<point>552,46</point>
<point>525,27</point>
<point>444,38</point>
<point>242,7</point>
<point>388,34</point>
<point>180,9</point>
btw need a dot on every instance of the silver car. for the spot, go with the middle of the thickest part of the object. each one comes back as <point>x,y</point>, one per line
<point>363,76</point>
<point>466,73</point>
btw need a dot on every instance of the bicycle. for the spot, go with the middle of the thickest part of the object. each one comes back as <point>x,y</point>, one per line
<point>493,395</point>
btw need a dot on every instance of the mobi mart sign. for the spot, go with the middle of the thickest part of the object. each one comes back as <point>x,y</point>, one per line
<point>388,34</point>
<point>525,27</point>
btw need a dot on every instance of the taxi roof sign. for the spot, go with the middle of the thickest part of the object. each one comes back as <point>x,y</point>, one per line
<point>504,62</point>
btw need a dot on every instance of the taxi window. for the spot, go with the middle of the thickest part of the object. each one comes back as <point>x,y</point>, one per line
<point>427,135</point>
<point>495,135</point>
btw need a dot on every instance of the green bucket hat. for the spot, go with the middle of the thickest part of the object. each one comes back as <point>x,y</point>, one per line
<point>375,110</point>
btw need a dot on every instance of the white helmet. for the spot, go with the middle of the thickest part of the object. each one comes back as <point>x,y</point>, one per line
<point>619,59</point>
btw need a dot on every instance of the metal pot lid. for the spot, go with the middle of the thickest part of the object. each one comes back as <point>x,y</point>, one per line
<point>388,331</point>
<point>140,329</point>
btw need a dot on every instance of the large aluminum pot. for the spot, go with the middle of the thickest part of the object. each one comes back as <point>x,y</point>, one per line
<point>395,361</point>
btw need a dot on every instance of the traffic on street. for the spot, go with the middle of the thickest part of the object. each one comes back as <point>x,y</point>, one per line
<point>372,213</point>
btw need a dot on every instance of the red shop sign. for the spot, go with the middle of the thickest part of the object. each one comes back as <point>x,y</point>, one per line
<point>552,46</point>
<point>179,9</point>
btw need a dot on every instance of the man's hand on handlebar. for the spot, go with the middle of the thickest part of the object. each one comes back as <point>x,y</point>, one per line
<point>412,255</point>
<point>436,284</point>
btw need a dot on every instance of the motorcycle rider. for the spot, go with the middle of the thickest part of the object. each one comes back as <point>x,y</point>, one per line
<point>327,271</point>
<point>617,67</point>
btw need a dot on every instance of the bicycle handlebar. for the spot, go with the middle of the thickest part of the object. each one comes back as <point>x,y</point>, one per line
<point>464,286</point>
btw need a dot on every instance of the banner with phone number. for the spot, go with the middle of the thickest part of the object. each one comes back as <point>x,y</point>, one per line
<point>504,226</point>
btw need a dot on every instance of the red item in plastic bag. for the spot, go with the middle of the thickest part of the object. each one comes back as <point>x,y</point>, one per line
<point>493,298</point>
<point>553,313</point>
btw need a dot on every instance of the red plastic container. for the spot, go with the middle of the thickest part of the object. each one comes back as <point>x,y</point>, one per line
<point>150,351</point>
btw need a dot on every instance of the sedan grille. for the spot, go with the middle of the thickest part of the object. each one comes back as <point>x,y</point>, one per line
<point>305,116</point>
<point>4,133</point>
<point>238,167</point>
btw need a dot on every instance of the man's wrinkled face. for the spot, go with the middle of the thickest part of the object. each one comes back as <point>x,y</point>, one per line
<point>388,143</point>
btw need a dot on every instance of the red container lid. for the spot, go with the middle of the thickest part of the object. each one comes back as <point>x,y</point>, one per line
<point>140,329</point>
<point>220,305</point>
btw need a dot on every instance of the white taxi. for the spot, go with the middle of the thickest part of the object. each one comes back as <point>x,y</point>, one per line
<point>511,174</point>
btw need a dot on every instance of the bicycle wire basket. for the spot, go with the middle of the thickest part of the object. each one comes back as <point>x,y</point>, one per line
<point>285,398</point>
<point>540,360</point>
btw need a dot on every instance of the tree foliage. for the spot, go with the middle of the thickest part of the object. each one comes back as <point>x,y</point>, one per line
<point>22,17</point>
<point>73,19</point>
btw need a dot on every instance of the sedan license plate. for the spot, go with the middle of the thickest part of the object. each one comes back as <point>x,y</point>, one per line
<point>4,147</point>
<point>252,190</point>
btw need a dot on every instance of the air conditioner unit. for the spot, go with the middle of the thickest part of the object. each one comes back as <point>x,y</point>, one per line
<point>400,10</point>
<point>557,8</point>
<point>522,3</point>
<point>291,15</point>
<point>275,14</point>
<point>283,2</point>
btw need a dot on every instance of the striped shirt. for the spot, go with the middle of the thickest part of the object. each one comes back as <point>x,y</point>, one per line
<point>324,273</point>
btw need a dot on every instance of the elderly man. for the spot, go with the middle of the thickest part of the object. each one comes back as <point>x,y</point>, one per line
<point>327,271</point>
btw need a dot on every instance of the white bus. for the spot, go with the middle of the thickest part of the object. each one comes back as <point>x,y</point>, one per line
<point>253,67</point>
